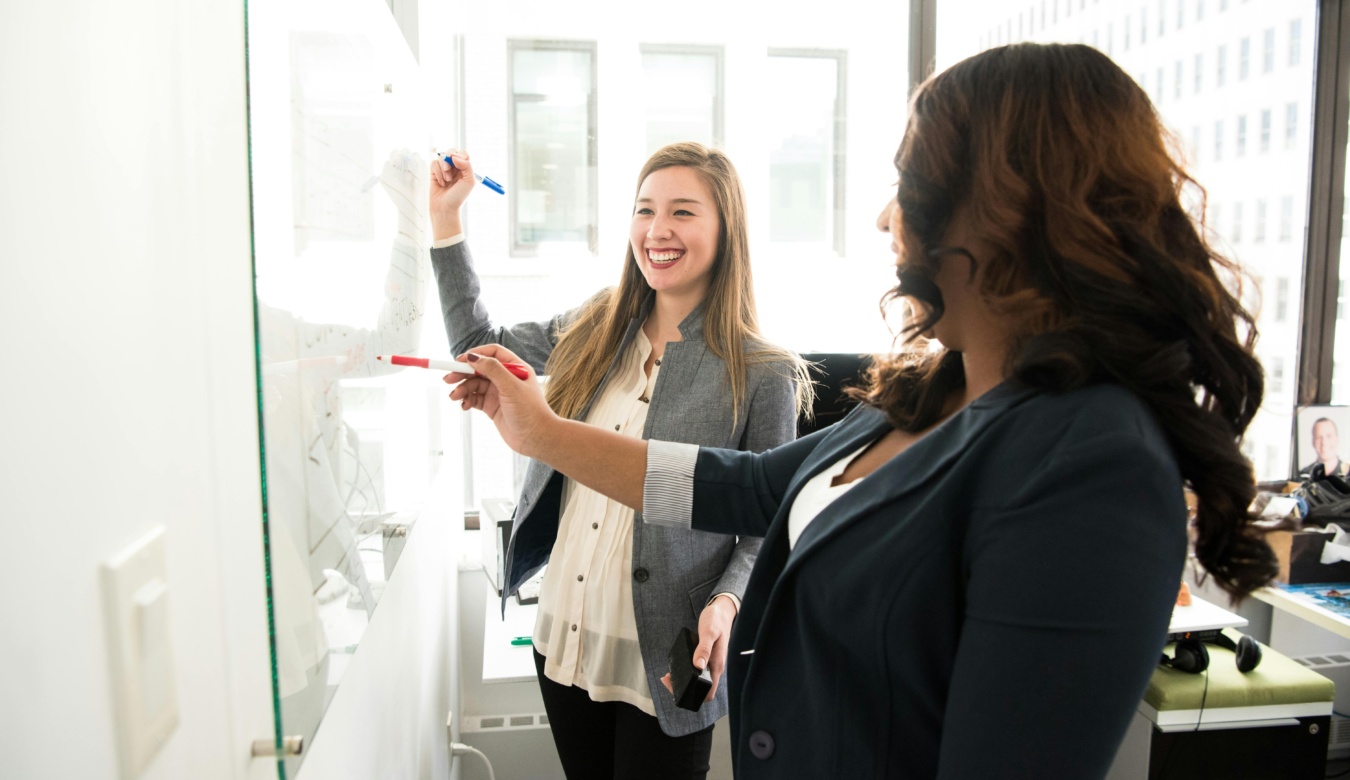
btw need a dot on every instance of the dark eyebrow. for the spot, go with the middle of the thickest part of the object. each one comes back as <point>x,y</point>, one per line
<point>673,200</point>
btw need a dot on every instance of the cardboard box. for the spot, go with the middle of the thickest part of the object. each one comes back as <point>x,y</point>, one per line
<point>1300,555</point>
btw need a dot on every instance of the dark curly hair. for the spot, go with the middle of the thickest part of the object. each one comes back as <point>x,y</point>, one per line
<point>1065,171</point>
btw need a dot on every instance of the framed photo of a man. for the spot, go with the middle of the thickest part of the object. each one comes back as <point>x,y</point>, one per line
<point>1317,439</point>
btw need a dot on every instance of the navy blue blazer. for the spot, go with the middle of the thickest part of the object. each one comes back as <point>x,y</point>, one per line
<point>990,603</point>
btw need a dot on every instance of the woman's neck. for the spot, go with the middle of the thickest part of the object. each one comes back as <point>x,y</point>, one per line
<point>986,368</point>
<point>667,313</point>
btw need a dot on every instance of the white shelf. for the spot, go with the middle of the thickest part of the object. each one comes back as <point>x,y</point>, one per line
<point>502,661</point>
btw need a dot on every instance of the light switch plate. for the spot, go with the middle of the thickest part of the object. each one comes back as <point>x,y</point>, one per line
<point>135,596</point>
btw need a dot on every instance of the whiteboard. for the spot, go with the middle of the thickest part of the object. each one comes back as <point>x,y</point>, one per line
<point>339,157</point>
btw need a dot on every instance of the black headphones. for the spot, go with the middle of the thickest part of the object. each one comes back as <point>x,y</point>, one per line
<point>1192,657</point>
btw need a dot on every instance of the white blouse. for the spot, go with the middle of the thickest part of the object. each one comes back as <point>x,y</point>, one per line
<point>586,629</point>
<point>818,493</point>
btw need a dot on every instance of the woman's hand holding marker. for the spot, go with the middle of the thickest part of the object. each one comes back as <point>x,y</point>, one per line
<point>451,185</point>
<point>517,408</point>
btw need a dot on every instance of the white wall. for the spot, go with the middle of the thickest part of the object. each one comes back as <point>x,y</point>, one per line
<point>129,401</point>
<point>128,397</point>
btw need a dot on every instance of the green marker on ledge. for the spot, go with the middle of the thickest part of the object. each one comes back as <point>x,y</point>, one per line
<point>521,640</point>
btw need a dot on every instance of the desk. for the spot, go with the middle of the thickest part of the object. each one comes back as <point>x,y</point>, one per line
<point>502,661</point>
<point>1304,607</point>
<point>1202,615</point>
<point>1273,723</point>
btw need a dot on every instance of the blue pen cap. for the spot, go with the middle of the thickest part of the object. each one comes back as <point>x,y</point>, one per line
<point>492,185</point>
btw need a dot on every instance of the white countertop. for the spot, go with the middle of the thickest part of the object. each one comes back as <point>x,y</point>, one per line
<point>502,661</point>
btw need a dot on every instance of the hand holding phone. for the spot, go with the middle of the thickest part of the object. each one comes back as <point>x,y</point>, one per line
<point>690,684</point>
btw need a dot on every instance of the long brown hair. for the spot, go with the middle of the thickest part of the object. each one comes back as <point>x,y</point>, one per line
<point>1065,170</point>
<point>730,321</point>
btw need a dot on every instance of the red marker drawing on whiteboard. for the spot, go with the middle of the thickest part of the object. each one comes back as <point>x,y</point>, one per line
<point>519,370</point>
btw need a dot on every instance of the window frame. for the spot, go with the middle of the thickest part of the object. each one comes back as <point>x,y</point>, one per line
<point>1326,204</point>
<point>527,250</point>
<point>838,165</point>
<point>719,55</point>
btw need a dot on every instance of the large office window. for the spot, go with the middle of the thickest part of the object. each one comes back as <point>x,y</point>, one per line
<point>567,122</point>
<point>1340,372</point>
<point>806,155</point>
<point>553,135</point>
<point>1260,221</point>
<point>1274,384</point>
<point>682,89</point>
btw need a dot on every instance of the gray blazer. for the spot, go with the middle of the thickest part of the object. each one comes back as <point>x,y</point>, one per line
<point>675,571</point>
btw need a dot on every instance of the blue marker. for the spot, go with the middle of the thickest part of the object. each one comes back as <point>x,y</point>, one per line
<point>487,182</point>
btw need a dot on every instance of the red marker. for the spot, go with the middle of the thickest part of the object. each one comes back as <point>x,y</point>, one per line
<point>519,370</point>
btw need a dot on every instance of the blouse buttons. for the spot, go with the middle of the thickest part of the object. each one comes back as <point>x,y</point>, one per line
<point>595,525</point>
<point>658,361</point>
<point>580,577</point>
<point>644,399</point>
<point>574,626</point>
<point>616,427</point>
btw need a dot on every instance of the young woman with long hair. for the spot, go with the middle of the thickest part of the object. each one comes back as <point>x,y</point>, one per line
<point>673,352</point>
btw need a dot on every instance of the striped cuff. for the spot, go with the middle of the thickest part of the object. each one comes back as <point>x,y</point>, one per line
<point>668,492</point>
<point>448,242</point>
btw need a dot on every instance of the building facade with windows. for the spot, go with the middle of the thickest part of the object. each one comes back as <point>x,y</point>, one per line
<point>1232,83</point>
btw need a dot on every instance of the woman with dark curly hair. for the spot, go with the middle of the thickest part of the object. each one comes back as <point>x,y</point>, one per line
<point>971,575</point>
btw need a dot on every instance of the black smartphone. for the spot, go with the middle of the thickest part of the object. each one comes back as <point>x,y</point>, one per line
<point>691,685</point>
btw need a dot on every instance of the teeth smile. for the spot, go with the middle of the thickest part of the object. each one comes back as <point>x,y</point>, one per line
<point>665,256</point>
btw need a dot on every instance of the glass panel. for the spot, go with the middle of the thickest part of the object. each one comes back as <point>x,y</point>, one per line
<point>552,93</point>
<point>682,97</point>
<point>349,445</point>
<point>803,152</point>
<point>1259,96</point>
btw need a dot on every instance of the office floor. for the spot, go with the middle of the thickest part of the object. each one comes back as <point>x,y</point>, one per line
<point>721,752</point>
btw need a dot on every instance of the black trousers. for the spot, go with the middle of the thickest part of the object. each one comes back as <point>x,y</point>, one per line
<point>600,740</point>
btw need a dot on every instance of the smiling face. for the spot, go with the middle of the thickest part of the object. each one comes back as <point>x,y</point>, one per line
<point>1325,441</point>
<point>674,232</point>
